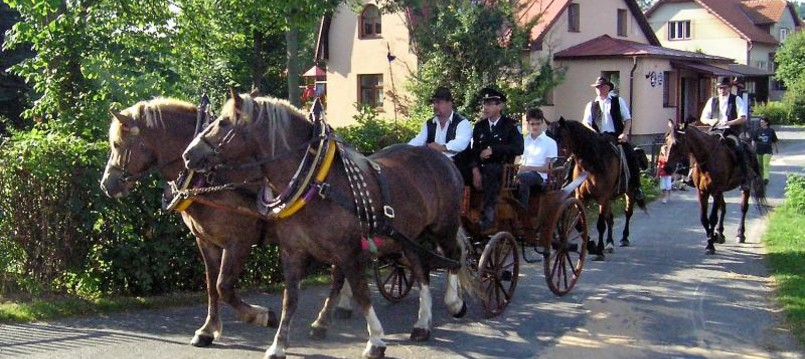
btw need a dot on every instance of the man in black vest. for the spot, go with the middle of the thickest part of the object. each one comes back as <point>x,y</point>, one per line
<point>447,132</point>
<point>495,142</point>
<point>726,114</point>
<point>608,114</point>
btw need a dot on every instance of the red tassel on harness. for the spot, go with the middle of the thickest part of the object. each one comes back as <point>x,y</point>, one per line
<point>371,246</point>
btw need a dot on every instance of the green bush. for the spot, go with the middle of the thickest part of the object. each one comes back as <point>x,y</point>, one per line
<point>776,111</point>
<point>795,192</point>
<point>371,133</point>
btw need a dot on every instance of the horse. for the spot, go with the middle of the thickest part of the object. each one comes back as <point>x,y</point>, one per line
<point>152,135</point>
<point>715,172</point>
<point>417,186</point>
<point>600,157</point>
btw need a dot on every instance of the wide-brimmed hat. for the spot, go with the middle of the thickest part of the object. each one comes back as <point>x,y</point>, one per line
<point>724,81</point>
<point>442,93</point>
<point>602,81</point>
<point>488,93</point>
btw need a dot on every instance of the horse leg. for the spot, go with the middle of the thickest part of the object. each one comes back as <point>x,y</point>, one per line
<point>421,331</point>
<point>292,266</point>
<point>457,278</point>
<point>211,330</point>
<point>601,225</point>
<point>610,226</point>
<point>355,275</point>
<point>722,211</point>
<point>452,297</point>
<point>704,200</point>
<point>344,308</point>
<point>628,214</point>
<point>319,328</point>
<point>232,263</point>
<point>741,237</point>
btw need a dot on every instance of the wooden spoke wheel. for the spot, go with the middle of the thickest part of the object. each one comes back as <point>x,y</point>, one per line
<point>393,277</point>
<point>498,271</point>
<point>564,258</point>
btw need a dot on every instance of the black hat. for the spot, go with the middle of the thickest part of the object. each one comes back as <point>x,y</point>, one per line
<point>603,81</point>
<point>723,81</point>
<point>442,93</point>
<point>488,93</point>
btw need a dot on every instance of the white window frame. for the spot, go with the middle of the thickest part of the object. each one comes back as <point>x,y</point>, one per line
<point>679,30</point>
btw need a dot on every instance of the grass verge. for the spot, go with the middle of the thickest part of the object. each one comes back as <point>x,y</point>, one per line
<point>785,241</point>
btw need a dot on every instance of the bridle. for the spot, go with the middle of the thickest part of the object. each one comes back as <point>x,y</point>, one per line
<point>126,176</point>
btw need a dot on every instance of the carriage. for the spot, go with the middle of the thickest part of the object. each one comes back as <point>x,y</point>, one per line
<point>554,227</point>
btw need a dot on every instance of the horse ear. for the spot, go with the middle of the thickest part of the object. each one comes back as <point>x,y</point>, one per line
<point>562,120</point>
<point>237,100</point>
<point>671,124</point>
<point>128,123</point>
<point>255,92</point>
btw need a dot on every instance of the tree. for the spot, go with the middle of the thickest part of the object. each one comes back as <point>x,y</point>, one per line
<point>13,90</point>
<point>790,59</point>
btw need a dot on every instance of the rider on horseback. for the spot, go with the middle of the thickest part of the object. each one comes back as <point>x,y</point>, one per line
<point>608,114</point>
<point>726,113</point>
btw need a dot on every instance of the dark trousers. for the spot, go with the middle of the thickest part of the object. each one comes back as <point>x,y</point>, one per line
<point>527,180</point>
<point>490,175</point>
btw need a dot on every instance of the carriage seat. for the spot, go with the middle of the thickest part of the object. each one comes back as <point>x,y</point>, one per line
<point>557,172</point>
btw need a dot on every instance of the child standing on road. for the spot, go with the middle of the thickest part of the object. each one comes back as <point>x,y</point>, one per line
<point>663,175</point>
<point>763,140</point>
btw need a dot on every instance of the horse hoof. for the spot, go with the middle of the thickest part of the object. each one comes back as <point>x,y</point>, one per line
<point>461,313</point>
<point>710,251</point>
<point>202,341</point>
<point>610,250</point>
<point>375,352</point>
<point>740,239</point>
<point>318,333</point>
<point>272,321</point>
<point>274,356</point>
<point>341,313</point>
<point>625,243</point>
<point>420,335</point>
<point>598,258</point>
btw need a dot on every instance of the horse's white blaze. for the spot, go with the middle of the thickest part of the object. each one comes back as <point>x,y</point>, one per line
<point>425,304</point>
<point>451,298</point>
<point>345,297</point>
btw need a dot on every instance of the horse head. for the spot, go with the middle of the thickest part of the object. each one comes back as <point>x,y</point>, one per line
<point>248,127</point>
<point>676,145</point>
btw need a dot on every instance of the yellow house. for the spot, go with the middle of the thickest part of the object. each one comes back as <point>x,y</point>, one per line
<point>747,31</point>
<point>589,38</point>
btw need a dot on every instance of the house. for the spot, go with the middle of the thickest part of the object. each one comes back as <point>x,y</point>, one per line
<point>588,38</point>
<point>747,31</point>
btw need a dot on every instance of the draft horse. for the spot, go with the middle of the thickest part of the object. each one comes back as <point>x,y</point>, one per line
<point>421,198</point>
<point>600,157</point>
<point>715,171</point>
<point>151,135</point>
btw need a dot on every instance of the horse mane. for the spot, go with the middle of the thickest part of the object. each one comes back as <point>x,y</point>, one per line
<point>277,115</point>
<point>148,114</point>
<point>588,146</point>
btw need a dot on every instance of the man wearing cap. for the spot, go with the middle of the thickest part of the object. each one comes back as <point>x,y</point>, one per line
<point>726,114</point>
<point>608,114</point>
<point>447,132</point>
<point>495,142</point>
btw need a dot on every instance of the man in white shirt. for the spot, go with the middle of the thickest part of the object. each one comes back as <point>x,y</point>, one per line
<point>447,132</point>
<point>726,113</point>
<point>538,149</point>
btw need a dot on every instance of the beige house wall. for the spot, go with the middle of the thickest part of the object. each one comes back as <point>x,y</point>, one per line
<point>709,34</point>
<point>351,57</point>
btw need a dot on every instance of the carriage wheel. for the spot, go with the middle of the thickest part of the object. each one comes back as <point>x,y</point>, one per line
<point>498,271</point>
<point>394,278</point>
<point>565,258</point>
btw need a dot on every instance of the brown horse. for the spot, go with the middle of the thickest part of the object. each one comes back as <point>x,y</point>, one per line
<point>714,172</point>
<point>153,134</point>
<point>423,191</point>
<point>597,155</point>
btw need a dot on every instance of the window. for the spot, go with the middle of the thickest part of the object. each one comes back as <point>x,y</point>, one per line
<point>668,89</point>
<point>573,21</point>
<point>783,33</point>
<point>370,21</point>
<point>370,90</point>
<point>679,30</point>
<point>622,18</point>
<point>760,64</point>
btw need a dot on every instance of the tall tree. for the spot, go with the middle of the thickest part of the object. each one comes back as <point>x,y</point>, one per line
<point>13,91</point>
<point>790,59</point>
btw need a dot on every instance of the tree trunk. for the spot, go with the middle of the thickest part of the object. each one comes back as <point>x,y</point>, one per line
<point>258,67</point>
<point>292,50</point>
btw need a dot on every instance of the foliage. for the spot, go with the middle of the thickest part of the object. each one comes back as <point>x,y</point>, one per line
<point>465,46</point>
<point>371,133</point>
<point>789,111</point>
<point>795,192</point>
<point>790,59</point>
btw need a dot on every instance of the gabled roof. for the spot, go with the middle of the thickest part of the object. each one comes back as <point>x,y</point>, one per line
<point>742,16</point>
<point>606,46</point>
<point>550,11</point>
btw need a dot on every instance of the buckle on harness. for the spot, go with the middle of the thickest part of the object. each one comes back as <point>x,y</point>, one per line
<point>388,211</point>
<point>323,188</point>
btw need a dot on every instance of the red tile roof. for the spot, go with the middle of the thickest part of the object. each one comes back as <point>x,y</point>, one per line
<point>606,46</point>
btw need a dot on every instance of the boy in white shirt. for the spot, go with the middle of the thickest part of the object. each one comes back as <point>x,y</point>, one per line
<point>538,149</point>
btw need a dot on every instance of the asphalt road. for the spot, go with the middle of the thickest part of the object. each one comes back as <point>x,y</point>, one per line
<point>660,298</point>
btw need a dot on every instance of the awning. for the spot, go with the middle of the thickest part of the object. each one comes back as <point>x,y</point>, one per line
<point>706,69</point>
<point>750,71</point>
<point>314,71</point>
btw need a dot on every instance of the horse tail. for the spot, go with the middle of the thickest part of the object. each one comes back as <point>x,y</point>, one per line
<point>641,203</point>
<point>756,186</point>
<point>466,280</point>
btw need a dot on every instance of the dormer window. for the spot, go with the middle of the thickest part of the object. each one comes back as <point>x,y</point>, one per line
<point>679,30</point>
<point>370,22</point>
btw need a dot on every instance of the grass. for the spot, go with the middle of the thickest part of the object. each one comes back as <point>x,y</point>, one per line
<point>785,241</point>
<point>25,310</point>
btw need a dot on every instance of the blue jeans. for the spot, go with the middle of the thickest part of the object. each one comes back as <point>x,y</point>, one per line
<point>527,180</point>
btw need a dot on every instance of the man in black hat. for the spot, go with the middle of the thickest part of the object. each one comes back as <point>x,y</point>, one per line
<point>495,142</point>
<point>726,114</point>
<point>608,114</point>
<point>447,132</point>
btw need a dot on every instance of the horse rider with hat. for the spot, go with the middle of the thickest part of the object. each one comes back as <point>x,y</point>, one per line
<point>496,141</point>
<point>608,114</point>
<point>726,114</point>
